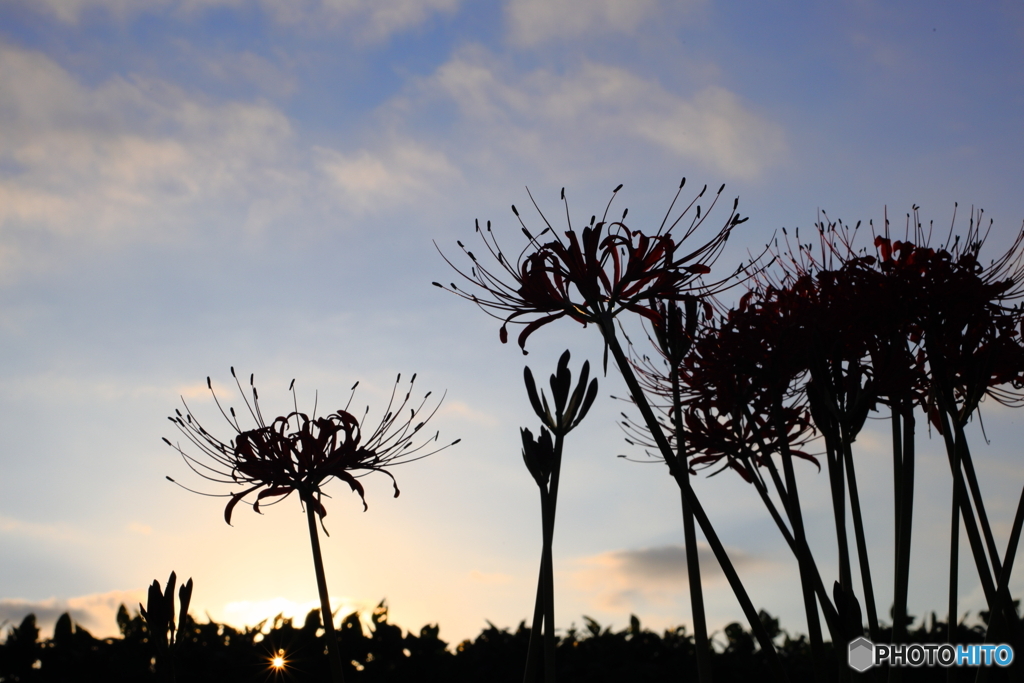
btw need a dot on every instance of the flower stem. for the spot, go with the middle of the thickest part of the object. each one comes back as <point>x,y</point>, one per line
<point>700,626</point>
<point>701,642</point>
<point>903,480</point>
<point>550,641</point>
<point>862,546</point>
<point>543,629</point>
<point>333,653</point>
<point>678,473</point>
<point>537,628</point>
<point>979,504</point>
<point>805,561</point>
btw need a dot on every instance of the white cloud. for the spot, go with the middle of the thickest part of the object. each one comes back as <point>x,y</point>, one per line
<point>127,157</point>
<point>625,580</point>
<point>272,77</point>
<point>459,409</point>
<point>536,21</point>
<point>595,108</point>
<point>70,11</point>
<point>400,173</point>
<point>61,533</point>
<point>383,18</point>
<point>96,612</point>
<point>367,20</point>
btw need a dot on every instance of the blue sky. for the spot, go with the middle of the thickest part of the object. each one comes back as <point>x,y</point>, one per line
<point>189,185</point>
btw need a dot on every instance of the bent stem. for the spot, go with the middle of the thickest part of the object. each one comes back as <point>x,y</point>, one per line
<point>798,547</point>
<point>997,625</point>
<point>804,558</point>
<point>333,653</point>
<point>679,473</point>
<point>810,580</point>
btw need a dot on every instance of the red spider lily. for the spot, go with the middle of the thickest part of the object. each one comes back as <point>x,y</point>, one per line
<point>739,439</point>
<point>740,384</point>
<point>594,275</point>
<point>938,331</point>
<point>885,305</point>
<point>734,386</point>
<point>299,453</point>
<point>962,309</point>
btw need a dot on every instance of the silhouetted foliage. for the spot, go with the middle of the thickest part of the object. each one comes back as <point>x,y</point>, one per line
<point>595,654</point>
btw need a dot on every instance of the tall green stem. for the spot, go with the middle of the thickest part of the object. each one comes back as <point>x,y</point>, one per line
<point>536,630</point>
<point>549,612</point>
<point>954,571</point>
<point>679,473</point>
<point>798,550</point>
<point>700,625</point>
<point>862,546</point>
<point>804,559</point>
<point>333,653</point>
<point>979,504</point>
<point>543,629</point>
<point>903,465</point>
<point>1002,601</point>
<point>962,505</point>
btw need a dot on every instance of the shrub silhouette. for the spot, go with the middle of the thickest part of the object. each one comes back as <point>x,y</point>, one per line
<point>215,652</point>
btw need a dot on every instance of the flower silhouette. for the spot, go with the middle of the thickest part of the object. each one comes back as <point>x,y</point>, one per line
<point>594,274</point>
<point>300,453</point>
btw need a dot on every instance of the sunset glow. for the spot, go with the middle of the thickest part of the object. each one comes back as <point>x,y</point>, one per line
<point>187,187</point>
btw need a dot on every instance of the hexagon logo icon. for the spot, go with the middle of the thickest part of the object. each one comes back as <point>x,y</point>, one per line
<point>862,654</point>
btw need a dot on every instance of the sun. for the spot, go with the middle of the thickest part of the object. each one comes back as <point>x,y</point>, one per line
<point>278,661</point>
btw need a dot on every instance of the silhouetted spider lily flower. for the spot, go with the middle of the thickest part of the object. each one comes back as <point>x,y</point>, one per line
<point>734,386</point>
<point>300,453</point>
<point>593,275</point>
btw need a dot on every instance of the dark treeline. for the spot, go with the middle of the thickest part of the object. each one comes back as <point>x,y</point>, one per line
<point>217,652</point>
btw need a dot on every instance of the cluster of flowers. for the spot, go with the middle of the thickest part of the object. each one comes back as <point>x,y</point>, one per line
<point>835,336</point>
<point>821,340</point>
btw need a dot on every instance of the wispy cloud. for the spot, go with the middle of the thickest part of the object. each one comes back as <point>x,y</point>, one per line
<point>535,21</point>
<point>96,612</point>
<point>62,532</point>
<point>590,110</point>
<point>403,172</point>
<point>369,20</point>
<point>461,410</point>
<point>624,580</point>
<point>271,75</point>
<point>127,159</point>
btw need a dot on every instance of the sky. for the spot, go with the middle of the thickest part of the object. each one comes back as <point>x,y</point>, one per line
<point>188,186</point>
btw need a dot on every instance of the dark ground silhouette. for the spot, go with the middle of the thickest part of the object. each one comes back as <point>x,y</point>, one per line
<point>217,652</point>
